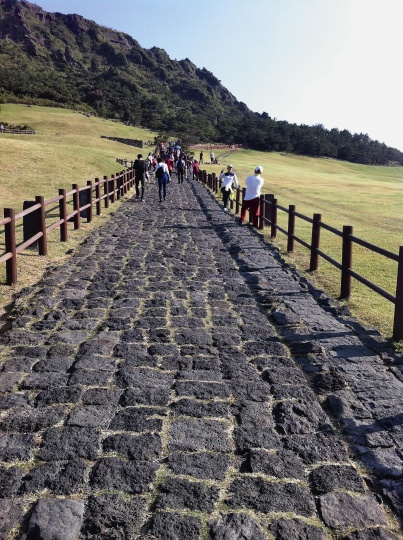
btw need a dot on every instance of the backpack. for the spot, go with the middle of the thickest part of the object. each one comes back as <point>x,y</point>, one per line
<point>162,176</point>
<point>159,172</point>
<point>179,164</point>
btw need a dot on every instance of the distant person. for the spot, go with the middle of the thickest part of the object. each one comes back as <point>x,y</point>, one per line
<point>140,171</point>
<point>162,176</point>
<point>195,170</point>
<point>211,157</point>
<point>201,158</point>
<point>1,128</point>
<point>229,182</point>
<point>180,169</point>
<point>251,200</point>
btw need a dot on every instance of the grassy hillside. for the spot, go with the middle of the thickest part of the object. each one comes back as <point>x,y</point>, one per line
<point>68,149</point>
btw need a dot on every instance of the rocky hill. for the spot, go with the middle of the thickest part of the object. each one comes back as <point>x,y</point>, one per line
<point>68,61</point>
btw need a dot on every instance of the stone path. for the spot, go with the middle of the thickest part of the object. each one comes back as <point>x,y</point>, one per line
<point>176,381</point>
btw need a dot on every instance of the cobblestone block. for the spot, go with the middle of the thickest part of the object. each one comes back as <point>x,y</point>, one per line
<point>60,478</point>
<point>190,407</point>
<point>134,447</point>
<point>334,477</point>
<point>137,419</point>
<point>371,534</point>
<point>16,446</point>
<point>26,419</point>
<point>295,529</point>
<point>195,435</point>
<point>342,510</point>
<point>236,527</point>
<point>97,416</point>
<point>99,363</point>
<point>8,381</point>
<point>203,465</point>
<point>298,417</point>
<point>102,396</point>
<point>260,495</point>
<point>281,464</point>
<point>172,526</point>
<point>11,512</point>
<point>69,443</point>
<point>112,516</point>
<point>44,381</point>
<point>202,390</point>
<point>255,427</point>
<point>56,519</point>
<point>124,476</point>
<point>57,395</point>
<point>10,480</point>
<point>316,447</point>
<point>178,493</point>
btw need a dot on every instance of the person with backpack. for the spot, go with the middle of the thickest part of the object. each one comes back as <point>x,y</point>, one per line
<point>229,181</point>
<point>162,176</point>
<point>140,170</point>
<point>180,169</point>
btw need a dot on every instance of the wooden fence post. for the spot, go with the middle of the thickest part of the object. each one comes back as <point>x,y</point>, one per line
<point>291,228</point>
<point>42,243</point>
<point>106,191</point>
<point>76,206</point>
<point>273,218</point>
<point>315,240</point>
<point>98,196</point>
<point>261,212</point>
<point>346,262</point>
<point>113,192</point>
<point>398,316</point>
<point>63,215</point>
<point>11,247</point>
<point>238,204</point>
<point>89,210</point>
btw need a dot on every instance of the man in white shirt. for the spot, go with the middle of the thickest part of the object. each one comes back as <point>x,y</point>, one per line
<point>229,181</point>
<point>251,200</point>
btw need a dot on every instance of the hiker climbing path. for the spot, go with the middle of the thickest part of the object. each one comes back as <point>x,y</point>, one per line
<point>175,380</point>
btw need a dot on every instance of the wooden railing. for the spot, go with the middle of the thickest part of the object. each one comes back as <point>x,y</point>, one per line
<point>268,214</point>
<point>71,206</point>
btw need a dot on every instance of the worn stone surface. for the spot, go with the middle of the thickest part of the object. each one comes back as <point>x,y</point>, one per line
<point>176,380</point>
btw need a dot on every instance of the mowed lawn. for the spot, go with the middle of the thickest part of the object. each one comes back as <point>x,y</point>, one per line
<point>68,148</point>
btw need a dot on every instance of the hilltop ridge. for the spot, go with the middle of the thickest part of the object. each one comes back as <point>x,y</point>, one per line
<point>68,61</point>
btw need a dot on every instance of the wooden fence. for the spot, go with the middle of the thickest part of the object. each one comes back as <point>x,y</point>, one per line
<point>71,206</point>
<point>268,213</point>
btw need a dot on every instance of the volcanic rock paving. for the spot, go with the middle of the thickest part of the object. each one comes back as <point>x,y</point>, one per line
<point>176,380</point>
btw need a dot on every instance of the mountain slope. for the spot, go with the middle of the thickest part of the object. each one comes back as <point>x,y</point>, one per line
<point>68,61</point>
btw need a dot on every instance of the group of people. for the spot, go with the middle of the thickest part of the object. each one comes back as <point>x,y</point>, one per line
<point>254,184</point>
<point>167,160</point>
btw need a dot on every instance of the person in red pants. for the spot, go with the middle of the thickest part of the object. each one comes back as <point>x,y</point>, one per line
<point>251,200</point>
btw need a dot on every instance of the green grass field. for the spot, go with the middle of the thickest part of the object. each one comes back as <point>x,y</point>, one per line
<point>68,149</point>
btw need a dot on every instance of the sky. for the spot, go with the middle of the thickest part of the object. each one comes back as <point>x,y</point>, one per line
<point>332,62</point>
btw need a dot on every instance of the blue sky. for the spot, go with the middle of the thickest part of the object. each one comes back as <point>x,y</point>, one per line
<point>331,62</point>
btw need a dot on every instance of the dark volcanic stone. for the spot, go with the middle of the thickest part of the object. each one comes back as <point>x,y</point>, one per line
<point>111,517</point>
<point>61,478</point>
<point>342,510</point>
<point>190,407</point>
<point>55,519</point>
<point>69,394</point>
<point>10,480</point>
<point>194,434</point>
<point>137,419</point>
<point>16,446</point>
<point>101,396</point>
<point>316,447</point>
<point>299,417</point>
<point>69,443</point>
<point>281,464</point>
<point>371,534</point>
<point>255,427</point>
<point>334,477</point>
<point>202,390</point>
<point>127,476</point>
<point>135,447</point>
<point>295,529</point>
<point>25,419</point>
<point>235,527</point>
<point>204,465</point>
<point>260,495</point>
<point>11,512</point>
<point>171,526</point>
<point>91,416</point>
<point>179,493</point>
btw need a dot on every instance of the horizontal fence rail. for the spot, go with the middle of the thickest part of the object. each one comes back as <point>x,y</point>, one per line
<point>268,213</point>
<point>38,218</point>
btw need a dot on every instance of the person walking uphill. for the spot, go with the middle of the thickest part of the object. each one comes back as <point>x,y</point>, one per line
<point>140,170</point>
<point>162,175</point>
<point>251,200</point>
<point>229,181</point>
